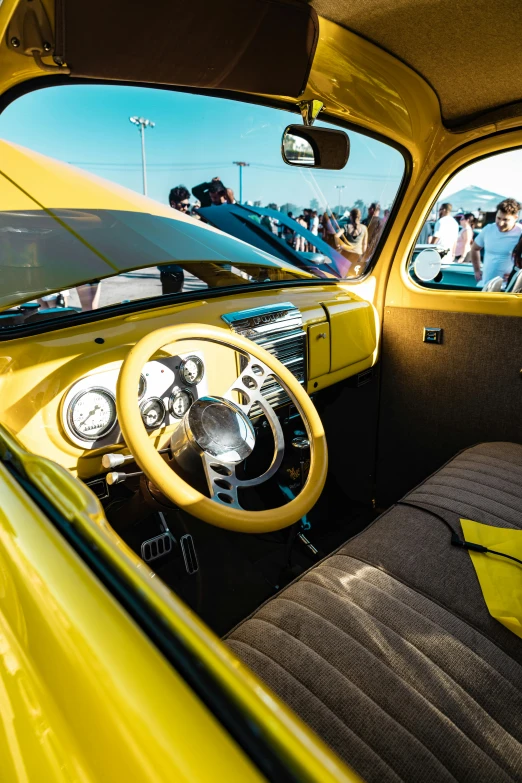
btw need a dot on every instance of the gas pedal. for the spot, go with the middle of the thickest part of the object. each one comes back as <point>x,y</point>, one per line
<point>190,557</point>
<point>156,547</point>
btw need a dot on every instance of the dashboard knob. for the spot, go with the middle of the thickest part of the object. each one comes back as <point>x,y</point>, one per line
<point>300,443</point>
<point>114,460</point>
<point>117,478</point>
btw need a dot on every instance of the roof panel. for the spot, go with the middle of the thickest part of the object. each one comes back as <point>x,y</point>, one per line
<point>468,51</point>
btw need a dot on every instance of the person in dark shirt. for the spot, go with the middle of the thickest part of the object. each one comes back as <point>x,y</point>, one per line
<point>213,193</point>
<point>171,275</point>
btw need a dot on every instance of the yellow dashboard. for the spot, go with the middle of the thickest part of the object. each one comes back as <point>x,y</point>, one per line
<point>44,378</point>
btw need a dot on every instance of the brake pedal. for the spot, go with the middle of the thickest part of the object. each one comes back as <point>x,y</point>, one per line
<point>156,547</point>
<point>308,544</point>
<point>188,550</point>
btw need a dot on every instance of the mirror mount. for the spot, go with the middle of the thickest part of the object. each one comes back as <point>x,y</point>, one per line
<point>310,110</point>
<point>29,33</point>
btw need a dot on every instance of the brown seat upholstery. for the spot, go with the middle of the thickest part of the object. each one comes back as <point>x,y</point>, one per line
<point>386,648</point>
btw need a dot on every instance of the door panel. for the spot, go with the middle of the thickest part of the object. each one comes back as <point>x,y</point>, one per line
<point>437,399</point>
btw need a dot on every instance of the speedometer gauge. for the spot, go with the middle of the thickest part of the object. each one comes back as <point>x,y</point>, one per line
<point>92,414</point>
<point>152,412</point>
<point>192,370</point>
<point>180,402</point>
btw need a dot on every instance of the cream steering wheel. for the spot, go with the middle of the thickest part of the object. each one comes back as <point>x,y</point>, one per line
<point>222,508</point>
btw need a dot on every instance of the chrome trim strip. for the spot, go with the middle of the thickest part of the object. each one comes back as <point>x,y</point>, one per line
<point>257,312</point>
<point>277,328</point>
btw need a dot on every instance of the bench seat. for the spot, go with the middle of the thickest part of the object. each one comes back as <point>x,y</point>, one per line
<point>386,648</point>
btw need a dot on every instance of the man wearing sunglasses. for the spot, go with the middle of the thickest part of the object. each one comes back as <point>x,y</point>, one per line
<point>171,275</point>
<point>179,198</point>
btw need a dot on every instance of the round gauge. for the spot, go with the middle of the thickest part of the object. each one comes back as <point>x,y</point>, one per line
<point>192,370</point>
<point>92,414</point>
<point>180,402</point>
<point>142,386</point>
<point>152,412</point>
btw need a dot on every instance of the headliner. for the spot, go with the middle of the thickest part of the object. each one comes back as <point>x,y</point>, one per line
<point>469,51</point>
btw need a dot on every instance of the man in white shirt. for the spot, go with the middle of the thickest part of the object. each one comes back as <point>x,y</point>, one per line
<point>498,240</point>
<point>445,232</point>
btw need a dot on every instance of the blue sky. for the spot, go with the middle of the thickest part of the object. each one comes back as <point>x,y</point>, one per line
<point>195,138</point>
<point>500,173</point>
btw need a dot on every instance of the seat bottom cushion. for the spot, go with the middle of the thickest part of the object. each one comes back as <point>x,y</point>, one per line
<point>367,648</point>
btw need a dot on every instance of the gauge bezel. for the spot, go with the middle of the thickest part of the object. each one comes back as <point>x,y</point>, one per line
<point>200,374</point>
<point>142,395</point>
<point>70,408</point>
<point>178,394</point>
<point>158,424</point>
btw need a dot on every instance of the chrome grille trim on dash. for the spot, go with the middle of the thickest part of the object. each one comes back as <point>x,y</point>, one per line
<point>278,329</point>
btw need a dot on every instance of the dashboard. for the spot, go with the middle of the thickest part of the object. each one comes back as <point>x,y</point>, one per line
<point>59,387</point>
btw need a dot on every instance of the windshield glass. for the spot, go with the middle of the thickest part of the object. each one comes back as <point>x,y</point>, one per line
<point>120,193</point>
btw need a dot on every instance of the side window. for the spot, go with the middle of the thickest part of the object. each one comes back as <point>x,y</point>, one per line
<point>472,239</point>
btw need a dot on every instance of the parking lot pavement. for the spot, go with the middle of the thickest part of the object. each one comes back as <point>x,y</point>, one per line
<point>139,284</point>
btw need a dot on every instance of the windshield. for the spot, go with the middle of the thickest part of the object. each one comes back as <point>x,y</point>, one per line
<point>122,193</point>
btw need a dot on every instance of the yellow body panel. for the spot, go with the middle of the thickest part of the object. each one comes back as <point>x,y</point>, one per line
<point>318,350</point>
<point>84,695</point>
<point>135,717</point>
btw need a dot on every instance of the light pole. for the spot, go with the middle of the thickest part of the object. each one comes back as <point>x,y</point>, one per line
<point>340,188</point>
<point>141,124</point>
<point>241,164</point>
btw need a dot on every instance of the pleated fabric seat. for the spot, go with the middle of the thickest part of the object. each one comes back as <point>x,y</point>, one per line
<point>386,648</point>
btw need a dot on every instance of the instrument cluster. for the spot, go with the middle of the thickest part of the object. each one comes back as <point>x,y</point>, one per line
<point>166,390</point>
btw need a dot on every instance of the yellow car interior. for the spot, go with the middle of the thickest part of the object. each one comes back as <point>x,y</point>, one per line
<point>276,471</point>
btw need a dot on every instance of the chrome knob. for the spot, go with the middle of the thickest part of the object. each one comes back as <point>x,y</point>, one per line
<point>115,460</point>
<point>117,478</point>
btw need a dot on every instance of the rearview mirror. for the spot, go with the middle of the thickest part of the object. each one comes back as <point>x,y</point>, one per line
<point>319,148</point>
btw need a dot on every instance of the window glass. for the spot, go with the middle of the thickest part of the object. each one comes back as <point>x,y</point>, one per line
<point>205,163</point>
<point>472,240</point>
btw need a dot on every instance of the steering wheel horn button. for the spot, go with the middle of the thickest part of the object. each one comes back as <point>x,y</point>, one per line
<point>219,428</point>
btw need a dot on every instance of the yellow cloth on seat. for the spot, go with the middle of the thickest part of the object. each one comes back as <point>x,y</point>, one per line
<point>500,579</point>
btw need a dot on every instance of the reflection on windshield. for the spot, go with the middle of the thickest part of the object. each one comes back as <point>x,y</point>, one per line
<point>140,285</point>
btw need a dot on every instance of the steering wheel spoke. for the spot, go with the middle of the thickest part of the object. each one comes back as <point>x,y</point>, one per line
<point>246,389</point>
<point>222,481</point>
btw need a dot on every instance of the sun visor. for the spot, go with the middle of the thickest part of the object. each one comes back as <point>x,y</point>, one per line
<point>261,46</point>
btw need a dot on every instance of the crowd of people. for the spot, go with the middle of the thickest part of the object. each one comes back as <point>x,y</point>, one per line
<point>352,236</point>
<point>495,251</point>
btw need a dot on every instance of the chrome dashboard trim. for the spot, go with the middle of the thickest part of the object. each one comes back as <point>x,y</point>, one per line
<point>279,329</point>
